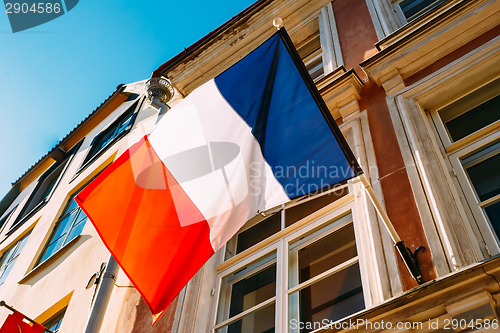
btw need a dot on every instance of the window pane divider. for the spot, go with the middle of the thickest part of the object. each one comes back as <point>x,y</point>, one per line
<point>323,275</point>
<point>489,201</point>
<point>244,313</point>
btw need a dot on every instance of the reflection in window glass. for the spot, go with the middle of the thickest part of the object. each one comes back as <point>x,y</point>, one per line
<point>326,253</point>
<point>9,257</point>
<point>248,298</point>
<point>413,8</point>
<point>260,321</point>
<point>337,294</point>
<point>54,323</point>
<point>482,168</point>
<point>473,120</point>
<point>332,298</point>
<point>258,232</point>
<point>115,130</point>
<point>69,225</point>
<point>272,224</point>
<point>253,290</point>
<point>41,192</point>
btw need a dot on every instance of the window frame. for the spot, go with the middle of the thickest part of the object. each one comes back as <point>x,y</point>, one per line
<point>56,318</point>
<point>64,214</point>
<point>57,170</point>
<point>321,223</point>
<point>456,151</point>
<point>492,240</point>
<point>331,53</point>
<point>402,16</point>
<point>131,111</point>
<point>14,247</point>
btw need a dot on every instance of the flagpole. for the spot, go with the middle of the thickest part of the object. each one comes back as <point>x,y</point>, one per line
<point>408,257</point>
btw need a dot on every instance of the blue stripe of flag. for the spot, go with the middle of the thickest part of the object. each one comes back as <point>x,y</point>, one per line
<point>267,90</point>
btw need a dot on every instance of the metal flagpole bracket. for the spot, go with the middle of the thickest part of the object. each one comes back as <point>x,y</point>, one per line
<point>2,303</point>
<point>409,258</point>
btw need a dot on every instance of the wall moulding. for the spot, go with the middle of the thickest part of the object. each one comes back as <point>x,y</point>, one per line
<point>433,40</point>
<point>341,91</point>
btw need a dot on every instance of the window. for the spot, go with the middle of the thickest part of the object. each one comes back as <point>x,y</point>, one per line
<point>257,229</point>
<point>45,187</point>
<point>69,225</point>
<point>472,113</point>
<point>411,9</point>
<point>309,272</point>
<point>310,51</point>
<point>482,168</point>
<point>316,298</point>
<point>55,321</point>
<point>317,43</point>
<point>9,257</point>
<point>469,132</point>
<point>40,195</point>
<point>5,219</point>
<point>113,133</point>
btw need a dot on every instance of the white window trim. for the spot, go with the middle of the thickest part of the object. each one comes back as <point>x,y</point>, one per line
<point>483,225</point>
<point>457,150</point>
<point>329,39</point>
<point>441,203</point>
<point>339,215</point>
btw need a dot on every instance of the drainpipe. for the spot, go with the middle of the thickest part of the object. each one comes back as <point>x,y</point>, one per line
<point>102,298</point>
<point>159,91</point>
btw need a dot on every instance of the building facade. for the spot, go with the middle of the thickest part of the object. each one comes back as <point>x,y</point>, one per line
<point>414,87</point>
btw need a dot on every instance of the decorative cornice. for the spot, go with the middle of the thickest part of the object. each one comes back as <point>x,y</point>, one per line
<point>406,52</point>
<point>341,91</point>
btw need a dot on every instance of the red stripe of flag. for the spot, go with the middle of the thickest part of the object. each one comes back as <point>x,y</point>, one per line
<point>141,226</point>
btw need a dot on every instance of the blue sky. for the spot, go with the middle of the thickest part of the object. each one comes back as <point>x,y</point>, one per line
<point>52,76</point>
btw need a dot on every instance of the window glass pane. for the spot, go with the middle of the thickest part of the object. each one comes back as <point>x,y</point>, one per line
<point>327,253</point>
<point>7,255</point>
<point>71,206</point>
<point>10,256</point>
<point>493,213</point>
<point>411,8</point>
<point>258,232</point>
<point>473,120</point>
<point>483,170</point>
<point>332,298</point>
<point>253,290</point>
<point>67,228</point>
<point>260,321</point>
<point>52,248</point>
<point>45,186</point>
<point>80,218</point>
<point>113,131</point>
<point>124,124</point>
<point>5,272</point>
<point>62,227</point>
<point>75,231</point>
<point>298,212</point>
<point>54,323</point>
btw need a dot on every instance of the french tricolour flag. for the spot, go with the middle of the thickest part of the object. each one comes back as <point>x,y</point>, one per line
<point>254,137</point>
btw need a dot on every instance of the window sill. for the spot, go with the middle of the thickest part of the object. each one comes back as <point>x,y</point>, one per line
<point>47,261</point>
